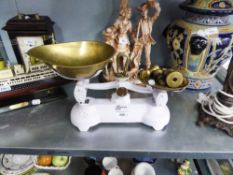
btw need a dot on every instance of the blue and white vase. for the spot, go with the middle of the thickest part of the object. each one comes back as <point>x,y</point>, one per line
<point>202,41</point>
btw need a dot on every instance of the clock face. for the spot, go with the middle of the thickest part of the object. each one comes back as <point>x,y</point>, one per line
<point>27,43</point>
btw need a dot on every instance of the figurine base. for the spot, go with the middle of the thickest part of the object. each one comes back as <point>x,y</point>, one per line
<point>205,119</point>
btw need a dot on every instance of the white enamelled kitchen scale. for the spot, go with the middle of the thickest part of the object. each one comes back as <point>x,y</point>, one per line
<point>84,60</point>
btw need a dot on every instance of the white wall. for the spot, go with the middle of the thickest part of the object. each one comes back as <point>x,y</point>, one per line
<point>85,19</point>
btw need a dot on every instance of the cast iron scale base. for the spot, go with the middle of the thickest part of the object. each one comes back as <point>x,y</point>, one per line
<point>120,108</point>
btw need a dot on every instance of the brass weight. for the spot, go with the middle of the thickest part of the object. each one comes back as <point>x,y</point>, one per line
<point>160,80</point>
<point>174,79</point>
<point>122,92</point>
<point>167,71</point>
<point>154,67</point>
<point>144,75</point>
<point>164,77</point>
<point>154,74</point>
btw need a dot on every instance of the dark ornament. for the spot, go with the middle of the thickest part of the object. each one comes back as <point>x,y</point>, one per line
<point>205,119</point>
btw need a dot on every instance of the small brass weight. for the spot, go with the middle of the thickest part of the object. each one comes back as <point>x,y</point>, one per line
<point>163,78</point>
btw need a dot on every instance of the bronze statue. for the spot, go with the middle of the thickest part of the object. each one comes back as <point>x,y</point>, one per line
<point>145,26</point>
<point>129,43</point>
<point>118,35</point>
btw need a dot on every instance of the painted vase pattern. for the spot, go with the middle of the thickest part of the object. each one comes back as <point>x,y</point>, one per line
<point>202,41</point>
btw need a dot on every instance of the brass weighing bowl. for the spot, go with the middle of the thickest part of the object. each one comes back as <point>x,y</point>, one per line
<point>75,60</point>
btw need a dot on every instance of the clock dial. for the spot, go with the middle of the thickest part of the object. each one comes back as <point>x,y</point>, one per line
<point>25,44</point>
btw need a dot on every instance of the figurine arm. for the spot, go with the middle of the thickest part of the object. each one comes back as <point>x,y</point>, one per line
<point>116,24</point>
<point>110,31</point>
<point>155,5</point>
<point>130,30</point>
<point>136,31</point>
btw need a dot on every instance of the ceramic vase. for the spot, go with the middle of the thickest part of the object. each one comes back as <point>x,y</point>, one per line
<point>201,42</point>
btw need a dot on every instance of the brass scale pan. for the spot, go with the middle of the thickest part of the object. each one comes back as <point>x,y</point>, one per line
<point>75,60</point>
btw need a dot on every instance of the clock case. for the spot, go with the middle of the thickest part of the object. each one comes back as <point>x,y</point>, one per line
<point>30,25</point>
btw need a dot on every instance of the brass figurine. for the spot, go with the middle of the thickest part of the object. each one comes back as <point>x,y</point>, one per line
<point>129,42</point>
<point>145,27</point>
<point>118,36</point>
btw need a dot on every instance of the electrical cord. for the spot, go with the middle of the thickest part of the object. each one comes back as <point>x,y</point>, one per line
<point>212,106</point>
